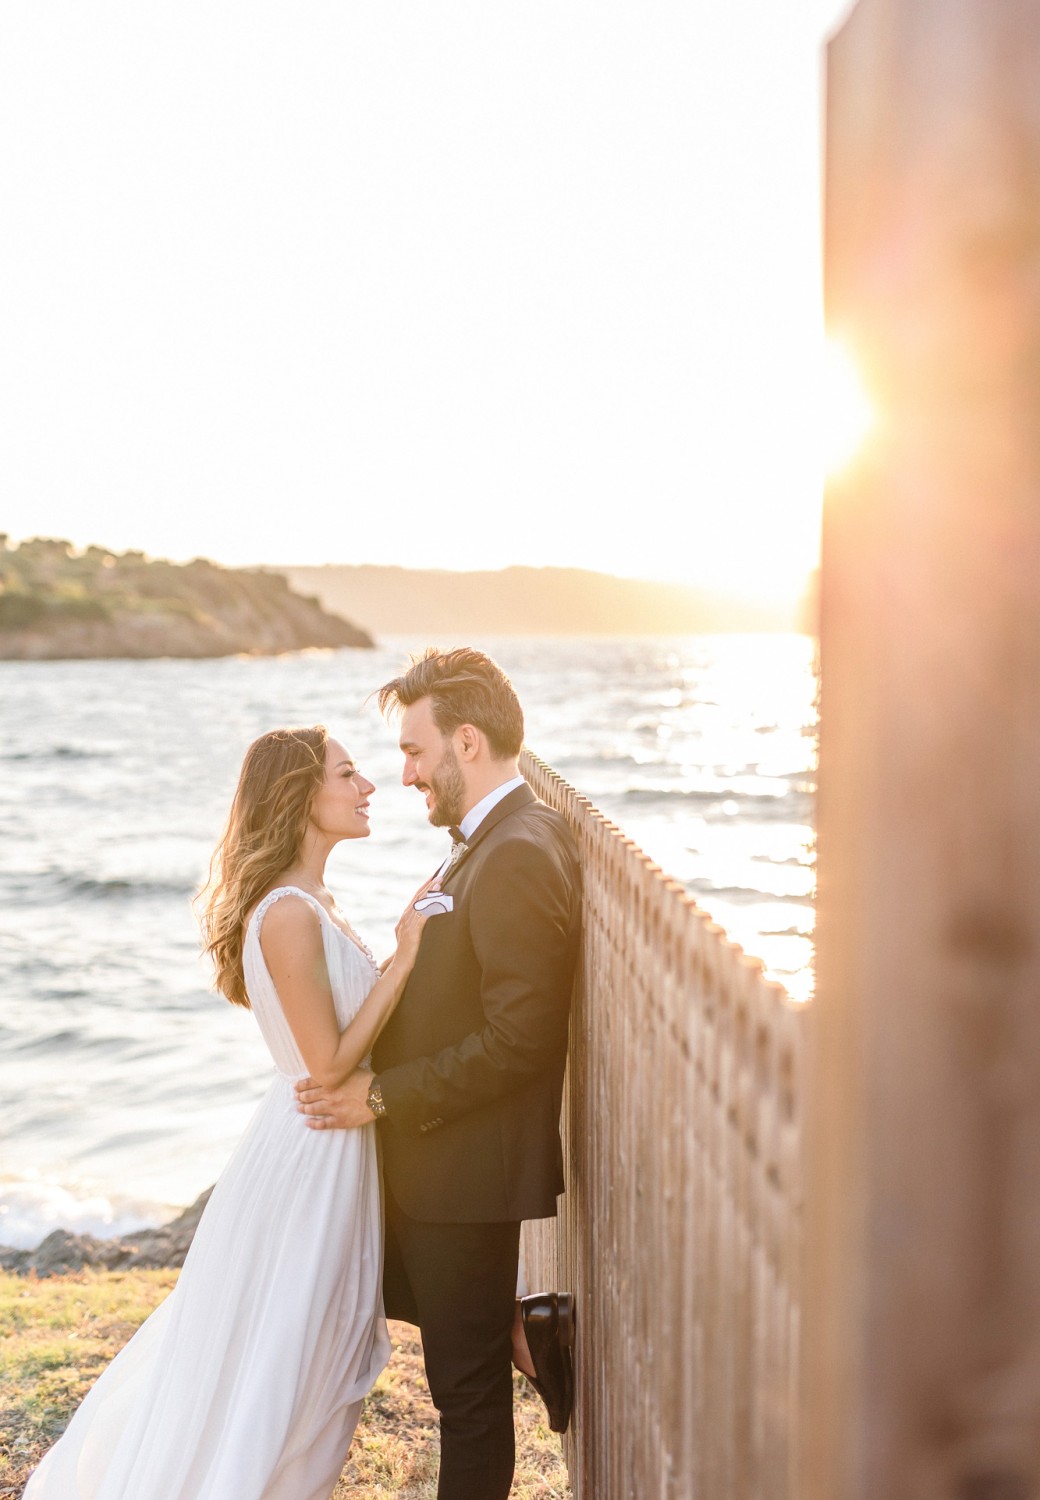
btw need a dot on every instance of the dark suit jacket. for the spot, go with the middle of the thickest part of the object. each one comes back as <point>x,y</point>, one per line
<point>471,1062</point>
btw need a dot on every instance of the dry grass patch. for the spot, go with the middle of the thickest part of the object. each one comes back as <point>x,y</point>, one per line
<point>396,1447</point>
<point>58,1334</point>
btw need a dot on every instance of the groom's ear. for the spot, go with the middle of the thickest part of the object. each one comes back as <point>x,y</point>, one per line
<point>469,741</point>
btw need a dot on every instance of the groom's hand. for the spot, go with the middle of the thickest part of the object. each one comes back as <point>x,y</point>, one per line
<point>342,1108</point>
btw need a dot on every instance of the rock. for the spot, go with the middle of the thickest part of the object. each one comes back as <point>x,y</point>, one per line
<point>62,1252</point>
<point>167,1245</point>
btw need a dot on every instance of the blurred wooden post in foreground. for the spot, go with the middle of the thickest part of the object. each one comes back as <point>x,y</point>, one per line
<point>922,1280</point>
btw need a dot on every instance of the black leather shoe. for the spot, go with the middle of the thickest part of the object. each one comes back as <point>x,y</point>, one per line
<point>549,1326</point>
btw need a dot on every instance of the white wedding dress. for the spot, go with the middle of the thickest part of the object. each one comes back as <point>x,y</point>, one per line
<point>247,1382</point>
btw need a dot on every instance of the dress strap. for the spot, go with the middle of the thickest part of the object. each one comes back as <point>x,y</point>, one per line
<point>276,895</point>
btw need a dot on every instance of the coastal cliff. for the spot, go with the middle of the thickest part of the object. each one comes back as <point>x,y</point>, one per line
<point>58,604</point>
<point>538,601</point>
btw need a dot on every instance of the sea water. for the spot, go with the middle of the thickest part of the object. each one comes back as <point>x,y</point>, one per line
<point>124,1080</point>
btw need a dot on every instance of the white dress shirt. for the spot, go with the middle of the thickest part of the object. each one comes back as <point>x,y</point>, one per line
<point>476,815</point>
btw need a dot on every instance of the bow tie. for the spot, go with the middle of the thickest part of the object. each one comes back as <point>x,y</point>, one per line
<point>457,835</point>
<point>458,844</point>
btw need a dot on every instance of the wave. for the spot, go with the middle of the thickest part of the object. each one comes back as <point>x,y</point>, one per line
<point>42,888</point>
<point>53,1041</point>
<point>58,752</point>
<point>121,887</point>
<point>77,752</point>
<point>77,1041</point>
<point>748,894</point>
<point>31,1207</point>
<point>761,803</point>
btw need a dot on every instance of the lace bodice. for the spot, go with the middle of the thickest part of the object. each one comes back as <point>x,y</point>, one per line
<point>352,973</point>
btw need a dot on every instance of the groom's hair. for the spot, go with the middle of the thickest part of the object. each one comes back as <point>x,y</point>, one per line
<point>464,687</point>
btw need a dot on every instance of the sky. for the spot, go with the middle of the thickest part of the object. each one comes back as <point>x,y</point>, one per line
<point>447,284</point>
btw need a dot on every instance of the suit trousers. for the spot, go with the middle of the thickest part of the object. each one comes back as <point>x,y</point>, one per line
<point>458,1283</point>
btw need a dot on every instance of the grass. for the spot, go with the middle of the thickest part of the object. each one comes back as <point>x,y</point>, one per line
<point>57,1335</point>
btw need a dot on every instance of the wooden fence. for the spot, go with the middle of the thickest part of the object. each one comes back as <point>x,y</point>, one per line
<point>680,1230</point>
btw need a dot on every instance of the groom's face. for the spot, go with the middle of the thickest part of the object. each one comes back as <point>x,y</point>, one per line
<point>431,765</point>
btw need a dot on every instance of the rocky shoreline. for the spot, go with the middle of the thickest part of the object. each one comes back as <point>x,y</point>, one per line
<point>57,604</point>
<point>62,1252</point>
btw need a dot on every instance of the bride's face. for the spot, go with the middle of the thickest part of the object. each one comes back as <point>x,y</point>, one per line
<point>340,806</point>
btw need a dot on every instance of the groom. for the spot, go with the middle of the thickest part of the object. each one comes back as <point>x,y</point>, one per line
<point>468,1073</point>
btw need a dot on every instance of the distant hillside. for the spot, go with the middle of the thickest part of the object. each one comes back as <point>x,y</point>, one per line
<point>57,604</point>
<point>529,601</point>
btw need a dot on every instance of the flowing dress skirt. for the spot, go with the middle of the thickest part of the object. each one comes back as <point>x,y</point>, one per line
<point>246,1383</point>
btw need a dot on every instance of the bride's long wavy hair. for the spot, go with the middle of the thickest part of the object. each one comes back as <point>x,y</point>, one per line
<point>280,775</point>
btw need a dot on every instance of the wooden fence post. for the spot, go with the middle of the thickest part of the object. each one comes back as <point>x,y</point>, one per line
<point>922,1284</point>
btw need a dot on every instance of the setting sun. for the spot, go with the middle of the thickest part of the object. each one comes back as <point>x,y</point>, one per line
<point>847,414</point>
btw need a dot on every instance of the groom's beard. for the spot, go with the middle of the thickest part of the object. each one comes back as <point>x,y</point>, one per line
<point>449,792</point>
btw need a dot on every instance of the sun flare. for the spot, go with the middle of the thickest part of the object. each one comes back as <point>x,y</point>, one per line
<point>847,414</point>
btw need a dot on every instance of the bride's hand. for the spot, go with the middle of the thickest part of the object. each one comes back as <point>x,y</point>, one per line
<point>409,932</point>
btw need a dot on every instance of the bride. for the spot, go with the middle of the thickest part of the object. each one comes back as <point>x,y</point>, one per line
<point>247,1381</point>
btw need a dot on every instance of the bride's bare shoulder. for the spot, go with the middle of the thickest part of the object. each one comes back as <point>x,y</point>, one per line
<point>289,912</point>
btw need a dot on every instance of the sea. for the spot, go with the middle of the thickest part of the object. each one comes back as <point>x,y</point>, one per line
<point>124,1079</point>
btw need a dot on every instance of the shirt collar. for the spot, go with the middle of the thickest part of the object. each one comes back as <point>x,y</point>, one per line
<point>476,815</point>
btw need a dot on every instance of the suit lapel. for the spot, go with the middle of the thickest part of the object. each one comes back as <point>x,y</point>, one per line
<point>521,796</point>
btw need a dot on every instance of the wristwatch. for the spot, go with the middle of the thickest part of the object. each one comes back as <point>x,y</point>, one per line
<point>374,1099</point>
